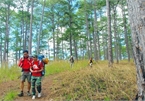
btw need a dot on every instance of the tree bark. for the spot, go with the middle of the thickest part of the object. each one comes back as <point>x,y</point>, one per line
<point>6,43</point>
<point>40,32</point>
<point>115,34</point>
<point>57,43</point>
<point>75,48</point>
<point>96,55</point>
<point>31,21</point>
<point>120,47</point>
<point>62,46</point>
<point>22,26</point>
<point>110,56</point>
<point>98,46</point>
<point>125,31</point>
<point>26,44</point>
<point>136,9</point>
<point>53,32</point>
<point>105,48</point>
<point>70,26</point>
<point>87,31</point>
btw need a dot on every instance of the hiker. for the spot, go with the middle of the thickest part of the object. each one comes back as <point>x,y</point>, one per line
<point>36,71</point>
<point>91,62</point>
<point>71,61</point>
<point>25,64</point>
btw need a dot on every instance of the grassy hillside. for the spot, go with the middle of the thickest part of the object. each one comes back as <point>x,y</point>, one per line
<point>97,83</point>
<point>82,82</point>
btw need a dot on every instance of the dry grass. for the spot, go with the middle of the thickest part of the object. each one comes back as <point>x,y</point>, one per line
<point>97,83</point>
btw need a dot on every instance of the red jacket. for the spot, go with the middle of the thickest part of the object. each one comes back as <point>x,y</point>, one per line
<point>25,64</point>
<point>37,65</point>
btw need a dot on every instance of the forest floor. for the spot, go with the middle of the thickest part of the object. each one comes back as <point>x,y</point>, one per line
<point>79,83</point>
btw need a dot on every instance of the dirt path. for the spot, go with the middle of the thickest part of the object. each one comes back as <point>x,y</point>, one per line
<point>8,86</point>
<point>14,85</point>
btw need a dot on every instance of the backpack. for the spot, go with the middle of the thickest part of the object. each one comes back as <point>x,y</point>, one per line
<point>91,61</point>
<point>72,60</point>
<point>42,58</point>
<point>45,60</point>
<point>43,71</point>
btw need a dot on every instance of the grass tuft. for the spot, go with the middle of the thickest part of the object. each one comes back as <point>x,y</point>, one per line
<point>10,96</point>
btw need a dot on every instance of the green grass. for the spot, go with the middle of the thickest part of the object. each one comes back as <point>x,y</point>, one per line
<point>9,73</point>
<point>10,96</point>
<point>61,66</point>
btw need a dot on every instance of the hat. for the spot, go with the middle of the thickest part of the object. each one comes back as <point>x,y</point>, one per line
<point>34,56</point>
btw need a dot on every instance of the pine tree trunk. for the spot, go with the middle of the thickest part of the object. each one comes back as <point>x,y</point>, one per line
<point>105,48</point>
<point>90,44</point>
<point>62,46</point>
<point>110,57</point>
<point>125,31</point>
<point>57,43</point>
<point>136,9</point>
<point>70,41</point>
<point>95,34</point>
<point>87,35</point>
<point>26,37</point>
<point>87,30</point>
<point>6,43</point>
<point>75,49</point>
<point>90,36</point>
<point>70,26</point>
<point>16,52</point>
<point>54,48</point>
<point>7,31</point>
<point>98,45</point>
<point>22,27</point>
<point>27,27</point>
<point>40,32</point>
<point>31,21</point>
<point>53,32</point>
<point>120,48</point>
<point>115,35</point>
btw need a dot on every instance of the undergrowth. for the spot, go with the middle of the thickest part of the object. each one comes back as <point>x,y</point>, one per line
<point>98,83</point>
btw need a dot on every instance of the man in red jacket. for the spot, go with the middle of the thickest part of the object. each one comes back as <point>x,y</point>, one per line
<point>25,64</point>
<point>36,70</point>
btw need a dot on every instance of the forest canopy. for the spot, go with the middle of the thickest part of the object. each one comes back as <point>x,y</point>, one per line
<point>61,28</point>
